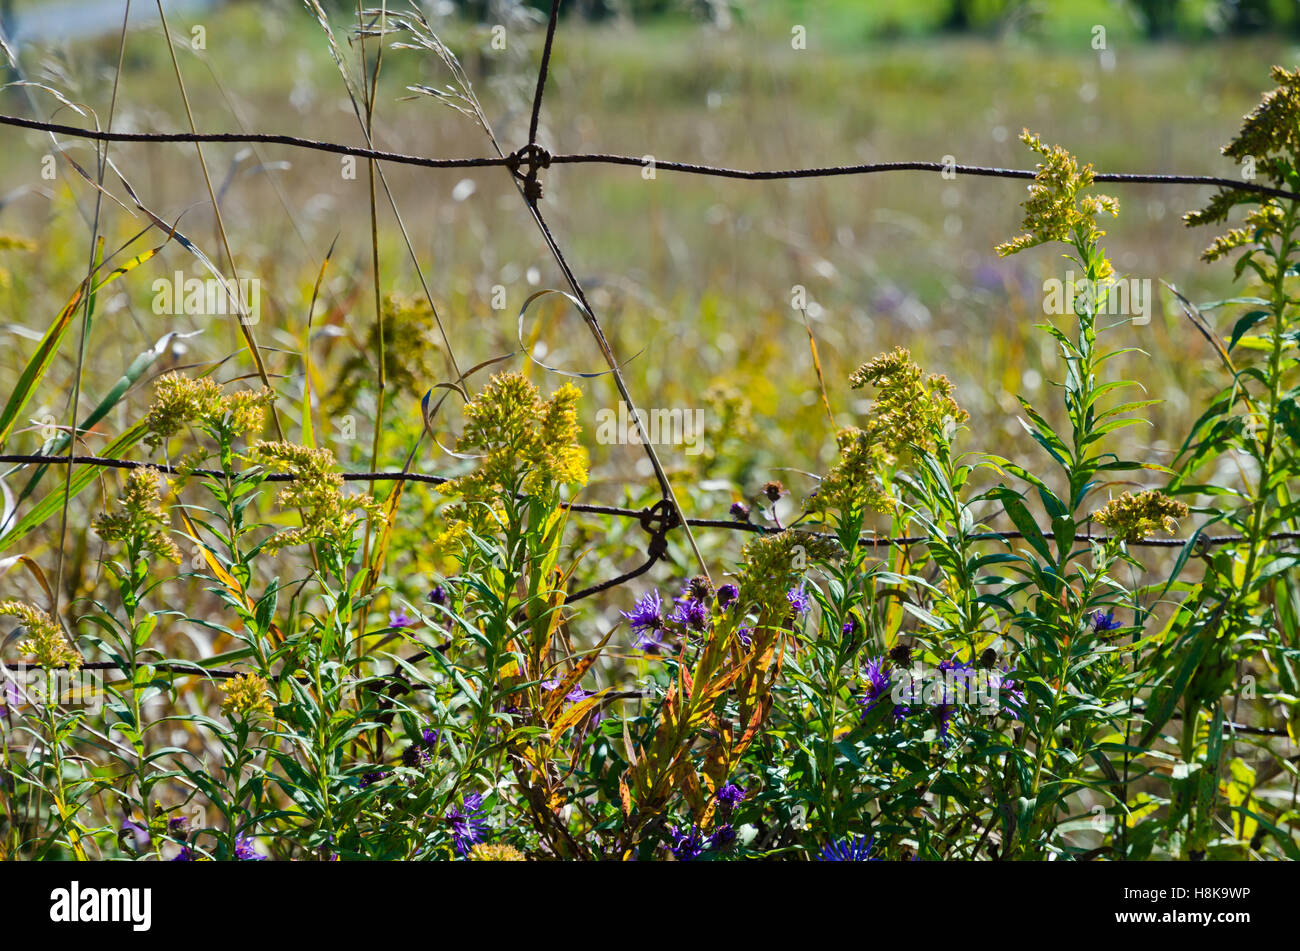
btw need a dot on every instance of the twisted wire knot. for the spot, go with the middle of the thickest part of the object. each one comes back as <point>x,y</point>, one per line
<point>534,157</point>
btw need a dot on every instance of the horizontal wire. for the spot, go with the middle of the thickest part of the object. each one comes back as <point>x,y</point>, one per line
<point>601,158</point>
<point>621,512</point>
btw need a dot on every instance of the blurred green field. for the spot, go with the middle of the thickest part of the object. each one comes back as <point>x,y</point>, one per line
<point>692,277</point>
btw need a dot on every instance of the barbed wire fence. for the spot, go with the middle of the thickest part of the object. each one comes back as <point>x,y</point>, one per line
<point>525,165</point>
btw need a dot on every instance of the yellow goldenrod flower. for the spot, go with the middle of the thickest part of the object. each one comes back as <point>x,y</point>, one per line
<point>524,442</point>
<point>1133,517</point>
<point>911,411</point>
<point>328,515</point>
<point>489,852</point>
<point>1055,209</point>
<point>180,400</point>
<point>140,523</point>
<point>773,564</point>
<point>45,640</point>
<point>246,694</point>
<point>1270,141</point>
<point>412,344</point>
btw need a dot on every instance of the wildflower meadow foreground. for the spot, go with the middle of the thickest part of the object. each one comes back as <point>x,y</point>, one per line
<point>441,648</point>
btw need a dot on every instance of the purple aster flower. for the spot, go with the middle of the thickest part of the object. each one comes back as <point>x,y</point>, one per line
<point>576,694</point>
<point>430,736</point>
<point>740,511</point>
<point>724,836</point>
<point>688,845</point>
<point>184,855</point>
<point>9,696</point>
<point>692,614</point>
<point>957,682</point>
<point>850,627</point>
<point>438,595</point>
<point>1102,623</point>
<point>468,825</point>
<point>727,595</point>
<point>244,851</point>
<point>729,797</point>
<point>799,600</point>
<point>369,779</point>
<point>849,849</point>
<point>1013,696</point>
<point>399,618</point>
<point>877,678</point>
<point>746,636</point>
<point>647,619</point>
<point>647,615</point>
<point>134,836</point>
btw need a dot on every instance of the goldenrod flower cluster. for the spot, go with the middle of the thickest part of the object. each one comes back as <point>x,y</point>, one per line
<point>140,523</point>
<point>489,852</point>
<point>773,564</point>
<point>45,640</point>
<point>525,443</point>
<point>1133,517</point>
<point>246,694</point>
<point>1270,139</point>
<point>411,346</point>
<point>316,490</point>
<point>1056,209</point>
<point>180,400</point>
<point>911,411</point>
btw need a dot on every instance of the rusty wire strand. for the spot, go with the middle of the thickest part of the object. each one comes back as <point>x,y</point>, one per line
<point>605,158</point>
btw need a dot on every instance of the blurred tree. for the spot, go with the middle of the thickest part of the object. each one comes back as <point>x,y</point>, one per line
<point>983,15</point>
<point>1256,16</point>
<point>1159,18</point>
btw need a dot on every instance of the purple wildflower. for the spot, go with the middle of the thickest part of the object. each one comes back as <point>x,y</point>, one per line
<point>576,694</point>
<point>849,849</point>
<point>399,618</point>
<point>688,845</point>
<point>9,696</point>
<point>438,595</point>
<point>729,797</point>
<point>647,615</point>
<point>746,636</point>
<point>692,614</point>
<point>960,682</point>
<point>799,600</point>
<point>369,779</point>
<point>1101,623</point>
<point>723,837</point>
<point>244,851</point>
<point>850,627</point>
<point>740,511</point>
<point>468,825</point>
<point>877,678</point>
<point>134,836</point>
<point>184,855</point>
<point>1013,697</point>
<point>727,595</point>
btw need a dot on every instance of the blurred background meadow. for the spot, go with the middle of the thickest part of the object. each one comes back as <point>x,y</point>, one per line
<point>692,277</point>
